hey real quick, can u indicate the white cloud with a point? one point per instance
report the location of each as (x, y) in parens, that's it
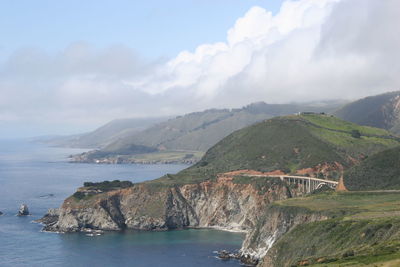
(309, 50)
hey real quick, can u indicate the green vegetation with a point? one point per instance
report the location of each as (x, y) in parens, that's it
(364, 229)
(338, 242)
(93, 188)
(349, 204)
(286, 143)
(379, 171)
(355, 134)
(108, 185)
(332, 122)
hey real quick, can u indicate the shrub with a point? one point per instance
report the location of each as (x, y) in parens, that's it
(108, 185)
(355, 134)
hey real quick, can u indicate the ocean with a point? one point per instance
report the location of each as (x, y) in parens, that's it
(42, 178)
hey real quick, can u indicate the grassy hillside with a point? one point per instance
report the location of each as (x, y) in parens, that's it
(288, 143)
(380, 171)
(381, 111)
(364, 229)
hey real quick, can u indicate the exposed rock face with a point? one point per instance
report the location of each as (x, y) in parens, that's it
(221, 204)
(50, 218)
(274, 224)
(23, 210)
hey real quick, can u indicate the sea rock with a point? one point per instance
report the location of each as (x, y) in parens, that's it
(23, 210)
(1, 213)
(227, 255)
(249, 260)
(224, 255)
(50, 218)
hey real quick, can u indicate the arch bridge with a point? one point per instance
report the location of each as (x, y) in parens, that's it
(309, 183)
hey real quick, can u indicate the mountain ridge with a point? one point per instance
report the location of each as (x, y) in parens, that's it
(382, 111)
(197, 131)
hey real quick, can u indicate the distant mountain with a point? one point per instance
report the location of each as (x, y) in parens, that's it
(105, 134)
(381, 111)
(199, 131)
(378, 172)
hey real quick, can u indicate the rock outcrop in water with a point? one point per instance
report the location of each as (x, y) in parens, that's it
(50, 218)
(23, 210)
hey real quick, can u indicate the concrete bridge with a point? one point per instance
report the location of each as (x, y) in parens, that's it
(309, 184)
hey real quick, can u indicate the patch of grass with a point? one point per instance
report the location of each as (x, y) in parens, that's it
(385, 254)
(347, 203)
(332, 122)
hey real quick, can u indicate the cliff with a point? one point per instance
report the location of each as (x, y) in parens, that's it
(224, 204)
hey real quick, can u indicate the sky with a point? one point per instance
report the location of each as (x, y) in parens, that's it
(71, 66)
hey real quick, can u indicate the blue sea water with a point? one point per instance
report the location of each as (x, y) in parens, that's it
(42, 178)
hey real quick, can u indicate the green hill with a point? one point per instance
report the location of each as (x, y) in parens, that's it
(382, 111)
(378, 172)
(289, 144)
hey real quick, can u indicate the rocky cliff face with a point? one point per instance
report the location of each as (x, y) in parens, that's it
(220, 204)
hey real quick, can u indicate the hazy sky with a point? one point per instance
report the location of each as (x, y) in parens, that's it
(69, 66)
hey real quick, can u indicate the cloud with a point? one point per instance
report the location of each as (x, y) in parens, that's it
(310, 50)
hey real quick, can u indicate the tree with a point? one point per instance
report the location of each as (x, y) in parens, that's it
(356, 134)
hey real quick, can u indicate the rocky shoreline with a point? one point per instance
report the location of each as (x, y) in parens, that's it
(222, 205)
(245, 259)
(120, 159)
